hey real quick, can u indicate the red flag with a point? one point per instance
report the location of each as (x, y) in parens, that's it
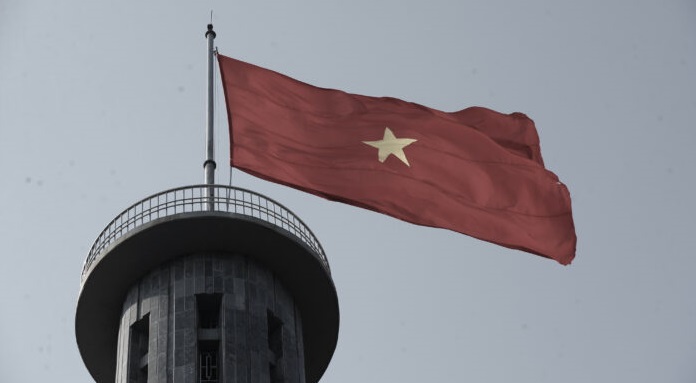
(475, 171)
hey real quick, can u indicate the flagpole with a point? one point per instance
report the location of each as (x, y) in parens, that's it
(209, 164)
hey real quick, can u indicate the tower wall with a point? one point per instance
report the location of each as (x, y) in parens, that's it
(165, 323)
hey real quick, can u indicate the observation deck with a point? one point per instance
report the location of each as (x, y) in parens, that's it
(199, 219)
(197, 198)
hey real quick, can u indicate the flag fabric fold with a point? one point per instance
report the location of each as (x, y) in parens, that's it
(475, 171)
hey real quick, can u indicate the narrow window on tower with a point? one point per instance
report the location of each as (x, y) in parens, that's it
(275, 348)
(138, 350)
(208, 355)
(208, 337)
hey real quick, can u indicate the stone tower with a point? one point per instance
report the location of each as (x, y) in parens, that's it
(206, 283)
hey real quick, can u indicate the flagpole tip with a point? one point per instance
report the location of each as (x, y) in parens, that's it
(210, 31)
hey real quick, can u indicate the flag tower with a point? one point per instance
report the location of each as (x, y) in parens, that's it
(207, 283)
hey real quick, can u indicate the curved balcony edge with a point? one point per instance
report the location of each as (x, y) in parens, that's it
(202, 198)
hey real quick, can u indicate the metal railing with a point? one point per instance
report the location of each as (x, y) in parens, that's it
(199, 198)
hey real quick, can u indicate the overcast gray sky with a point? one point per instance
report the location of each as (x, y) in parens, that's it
(102, 104)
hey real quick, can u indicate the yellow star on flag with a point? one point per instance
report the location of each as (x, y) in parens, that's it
(389, 144)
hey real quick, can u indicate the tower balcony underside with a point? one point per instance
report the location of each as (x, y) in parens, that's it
(195, 220)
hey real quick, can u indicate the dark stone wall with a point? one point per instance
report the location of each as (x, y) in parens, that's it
(167, 299)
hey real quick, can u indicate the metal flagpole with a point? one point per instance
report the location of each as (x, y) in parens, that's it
(209, 164)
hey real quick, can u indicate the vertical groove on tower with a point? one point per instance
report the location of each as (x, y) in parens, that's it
(247, 320)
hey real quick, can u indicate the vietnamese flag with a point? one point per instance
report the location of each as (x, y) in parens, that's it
(475, 171)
